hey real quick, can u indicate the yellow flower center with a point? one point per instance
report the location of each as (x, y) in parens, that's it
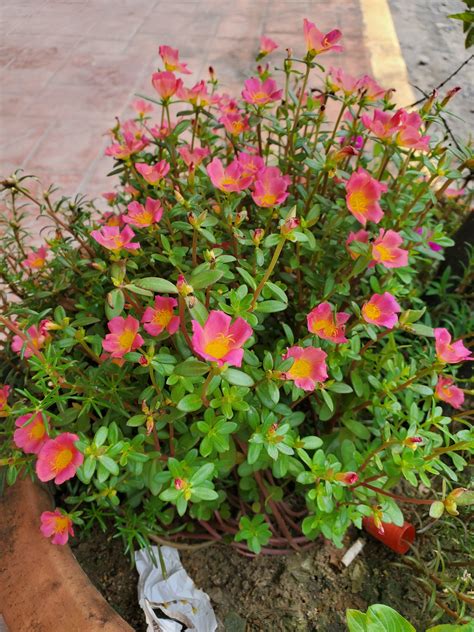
(260, 96)
(237, 127)
(269, 199)
(328, 327)
(37, 262)
(301, 368)
(162, 317)
(358, 201)
(227, 180)
(60, 524)
(37, 430)
(62, 459)
(372, 311)
(144, 218)
(219, 347)
(117, 240)
(126, 339)
(384, 253)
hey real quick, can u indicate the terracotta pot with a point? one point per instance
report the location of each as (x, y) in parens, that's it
(42, 587)
(396, 538)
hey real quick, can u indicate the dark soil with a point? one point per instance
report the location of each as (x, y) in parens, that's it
(306, 592)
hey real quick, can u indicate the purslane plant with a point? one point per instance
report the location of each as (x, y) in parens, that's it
(239, 349)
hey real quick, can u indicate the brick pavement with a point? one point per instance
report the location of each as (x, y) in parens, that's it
(68, 67)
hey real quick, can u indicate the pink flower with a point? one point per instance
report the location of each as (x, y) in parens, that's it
(252, 165)
(308, 368)
(432, 244)
(193, 157)
(260, 92)
(447, 392)
(36, 259)
(59, 459)
(170, 57)
(166, 84)
(142, 107)
(161, 317)
(317, 42)
(142, 216)
(234, 123)
(30, 434)
(111, 197)
(340, 80)
(383, 124)
(197, 95)
(324, 323)
(452, 192)
(161, 131)
(225, 103)
(270, 187)
(111, 238)
(362, 236)
(372, 90)
(386, 251)
(57, 526)
(381, 310)
(348, 478)
(4, 392)
(448, 352)
(153, 173)
(228, 178)
(363, 195)
(219, 340)
(267, 46)
(36, 338)
(411, 137)
(123, 337)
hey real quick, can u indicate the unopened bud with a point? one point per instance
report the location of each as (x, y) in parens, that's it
(348, 478)
(183, 287)
(289, 225)
(257, 236)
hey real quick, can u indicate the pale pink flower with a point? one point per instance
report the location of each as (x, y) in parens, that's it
(153, 173)
(340, 80)
(372, 90)
(143, 216)
(170, 57)
(234, 123)
(267, 45)
(36, 259)
(197, 95)
(323, 322)
(193, 157)
(59, 459)
(363, 195)
(36, 338)
(111, 238)
(386, 250)
(447, 392)
(449, 352)
(166, 84)
(382, 310)
(270, 188)
(259, 92)
(308, 368)
(142, 107)
(57, 526)
(228, 178)
(411, 138)
(220, 340)
(123, 336)
(225, 103)
(161, 317)
(30, 434)
(318, 42)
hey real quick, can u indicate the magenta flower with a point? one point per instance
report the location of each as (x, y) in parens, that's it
(270, 188)
(386, 251)
(228, 178)
(36, 338)
(432, 244)
(324, 323)
(59, 459)
(267, 45)
(383, 124)
(143, 216)
(259, 92)
(317, 42)
(411, 138)
(447, 392)
(161, 317)
(363, 195)
(220, 340)
(382, 310)
(36, 259)
(153, 173)
(30, 434)
(308, 368)
(252, 165)
(234, 123)
(57, 526)
(166, 84)
(4, 392)
(111, 238)
(193, 157)
(450, 353)
(170, 57)
(123, 337)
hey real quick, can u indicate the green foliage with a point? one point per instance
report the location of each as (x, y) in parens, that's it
(381, 618)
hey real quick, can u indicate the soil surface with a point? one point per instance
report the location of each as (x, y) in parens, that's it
(433, 47)
(307, 592)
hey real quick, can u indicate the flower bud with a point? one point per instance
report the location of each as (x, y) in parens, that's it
(257, 236)
(178, 483)
(412, 442)
(183, 287)
(348, 478)
(289, 225)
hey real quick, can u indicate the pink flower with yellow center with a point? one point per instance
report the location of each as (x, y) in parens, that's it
(170, 57)
(411, 138)
(270, 188)
(318, 42)
(193, 157)
(371, 89)
(259, 92)
(447, 392)
(197, 95)
(143, 216)
(111, 238)
(161, 317)
(267, 46)
(166, 84)
(340, 80)
(234, 123)
(123, 337)
(252, 165)
(449, 352)
(153, 173)
(36, 259)
(142, 107)
(30, 434)
(4, 392)
(361, 236)
(362, 196)
(220, 340)
(382, 310)
(36, 337)
(57, 526)
(59, 459)
(228, 178)
(308, 368)
(386, 251)
(323, 322)
(383, 124)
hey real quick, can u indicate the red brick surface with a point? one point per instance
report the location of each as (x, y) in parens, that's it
(68, 67)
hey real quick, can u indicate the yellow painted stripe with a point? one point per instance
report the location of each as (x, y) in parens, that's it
(388, 65)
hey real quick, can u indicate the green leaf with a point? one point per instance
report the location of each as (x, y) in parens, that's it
(327, 400)
(268, 307)
(190, 403)
(101, 436)
(204, 493)
(381, 618)
(204, 473)
(248, 278)
(238, 378)
(191, 368)
(205, 278)
(421, 330)
(356, 620)
(115, 303)
(109, 464)
(136, 420)
(340, 387)
(138, 290)
(156, 284)
(357, 428)
(437, 509)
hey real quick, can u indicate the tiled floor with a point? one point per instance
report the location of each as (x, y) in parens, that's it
(68, 67)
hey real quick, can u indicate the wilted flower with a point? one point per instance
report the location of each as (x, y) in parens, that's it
(4, 392)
